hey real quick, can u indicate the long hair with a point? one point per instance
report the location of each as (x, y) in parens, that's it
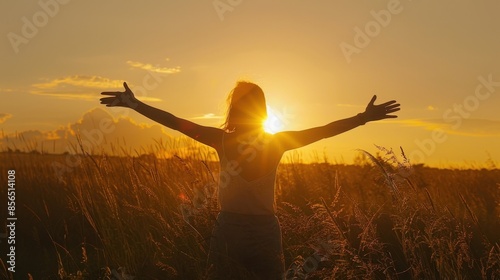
(246, 104)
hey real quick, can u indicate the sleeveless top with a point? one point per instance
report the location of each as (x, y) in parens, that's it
(238, 195)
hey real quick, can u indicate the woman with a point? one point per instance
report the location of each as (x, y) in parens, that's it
(247, 232)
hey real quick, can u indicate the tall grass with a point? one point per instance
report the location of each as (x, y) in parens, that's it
(151, 217)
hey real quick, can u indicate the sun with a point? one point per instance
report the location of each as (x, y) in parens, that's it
(274, 122)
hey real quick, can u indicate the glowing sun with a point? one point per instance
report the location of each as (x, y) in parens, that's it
(274, 122)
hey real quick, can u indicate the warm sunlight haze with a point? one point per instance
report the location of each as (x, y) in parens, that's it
(257, 139)
(316, 62)
(274, 122)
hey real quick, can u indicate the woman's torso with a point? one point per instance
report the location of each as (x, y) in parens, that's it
(248, 165)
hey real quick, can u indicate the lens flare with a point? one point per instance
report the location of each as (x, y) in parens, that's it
(274, 122)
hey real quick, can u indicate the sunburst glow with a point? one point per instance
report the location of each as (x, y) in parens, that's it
(274, 122)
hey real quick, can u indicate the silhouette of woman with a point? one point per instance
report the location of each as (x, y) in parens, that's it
(247, 232)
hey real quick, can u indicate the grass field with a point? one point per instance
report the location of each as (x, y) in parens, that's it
(102, 217)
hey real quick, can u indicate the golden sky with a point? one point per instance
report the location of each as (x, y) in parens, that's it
(317, 61)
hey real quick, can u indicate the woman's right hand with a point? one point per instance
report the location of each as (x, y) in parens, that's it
(121, 99)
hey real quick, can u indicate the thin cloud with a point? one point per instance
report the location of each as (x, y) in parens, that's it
(149, 99)
(466, 127)
(81, 87)
(65, 95)
(209, 116)
(156, 69)
(6, 90)
(348, 105)
(88, 96)
(480, 128)
(81, 81)
(427, 124)
(4, 117)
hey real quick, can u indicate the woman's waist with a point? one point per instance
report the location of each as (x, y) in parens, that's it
(247, 203)
(252, 217)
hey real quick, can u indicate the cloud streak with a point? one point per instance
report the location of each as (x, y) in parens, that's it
(468, 127)
(156, 69)
(81, 87)
(6, 90)
(95, 82)
(209, 116)
(4, 117)
(349, 105)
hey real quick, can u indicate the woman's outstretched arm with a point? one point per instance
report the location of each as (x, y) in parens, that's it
(289, 140)
(210, 136)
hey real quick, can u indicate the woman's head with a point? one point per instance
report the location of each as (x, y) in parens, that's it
(246, 106)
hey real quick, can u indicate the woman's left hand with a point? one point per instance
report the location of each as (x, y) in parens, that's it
(378, 112)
